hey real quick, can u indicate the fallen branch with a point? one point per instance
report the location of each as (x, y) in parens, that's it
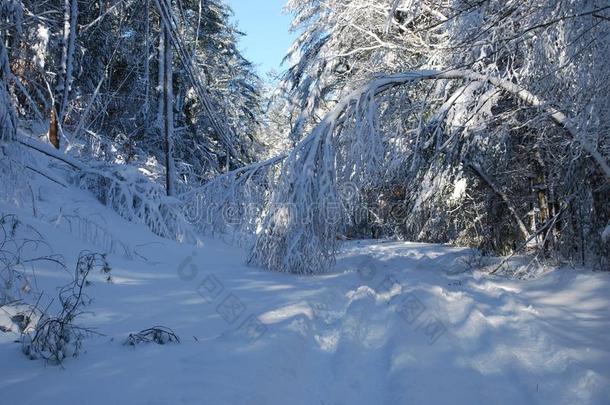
(157, 334)
(44, 175)
(42, 148)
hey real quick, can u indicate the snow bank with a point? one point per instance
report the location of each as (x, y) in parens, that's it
(392, 323)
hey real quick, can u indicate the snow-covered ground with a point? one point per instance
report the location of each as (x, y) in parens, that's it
(394, 323)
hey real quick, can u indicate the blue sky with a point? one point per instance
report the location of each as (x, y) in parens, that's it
(268, 38)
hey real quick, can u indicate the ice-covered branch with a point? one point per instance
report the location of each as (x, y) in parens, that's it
(300, 212)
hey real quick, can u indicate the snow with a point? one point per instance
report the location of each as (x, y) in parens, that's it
(40, 48)
(12, 317)
(459, 190)
(392, 323)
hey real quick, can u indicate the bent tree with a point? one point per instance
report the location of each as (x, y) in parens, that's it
(295, 227)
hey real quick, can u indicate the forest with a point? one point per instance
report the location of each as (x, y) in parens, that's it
(419, 199)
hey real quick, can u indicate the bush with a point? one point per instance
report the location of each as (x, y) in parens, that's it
(56, 338)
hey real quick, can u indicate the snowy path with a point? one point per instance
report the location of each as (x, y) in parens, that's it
(395, 323)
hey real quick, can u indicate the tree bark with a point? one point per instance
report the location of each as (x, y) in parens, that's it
(64, 78)
(541, 189)
(147, 69)
(54, 129)
(168, 113)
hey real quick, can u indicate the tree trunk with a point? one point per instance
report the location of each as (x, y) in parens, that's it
(491, 184)
(168, 113)
(541, 190)
(64, 78)
(147, 69)
(161, 80)
(54, 129)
